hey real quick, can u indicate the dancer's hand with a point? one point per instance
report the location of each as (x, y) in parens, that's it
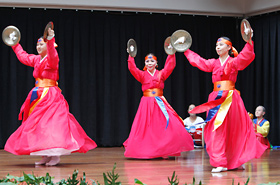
(50, 34)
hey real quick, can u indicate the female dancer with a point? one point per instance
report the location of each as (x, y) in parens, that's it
(157, 130)
(229, 135)
(47, 129)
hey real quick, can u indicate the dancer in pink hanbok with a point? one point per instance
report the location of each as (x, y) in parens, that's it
(48, 129)
(229, 135)
(157, 130)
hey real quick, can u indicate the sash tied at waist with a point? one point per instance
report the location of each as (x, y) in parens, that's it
(153, 92)
(224, 85)
(45, 82)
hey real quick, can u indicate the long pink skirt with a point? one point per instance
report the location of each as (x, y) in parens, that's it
(150, 137)
(234, 142)
(49, 129)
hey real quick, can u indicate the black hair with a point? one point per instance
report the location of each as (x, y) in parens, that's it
(150, 54)
(230, 51)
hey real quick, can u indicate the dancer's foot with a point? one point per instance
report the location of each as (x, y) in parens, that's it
(44, 160)
(218, 169)
(54, 161)
(242, 167)
(217, 174)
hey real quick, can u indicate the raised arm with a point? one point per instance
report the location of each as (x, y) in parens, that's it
(199, 62)
(169, 66)
(137, 73)
(52, 56)
(23, 56)
(245, 57)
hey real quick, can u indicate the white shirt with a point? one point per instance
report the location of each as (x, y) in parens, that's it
(192, 126)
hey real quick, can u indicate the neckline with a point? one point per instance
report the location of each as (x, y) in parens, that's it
(43, 59)
(151, 73)
(194, 120)
(225, 60)
(258, 122)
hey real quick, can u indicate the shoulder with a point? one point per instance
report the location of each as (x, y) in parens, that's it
(200, 118)
(215, 61)
(35, 58)
(265, 121)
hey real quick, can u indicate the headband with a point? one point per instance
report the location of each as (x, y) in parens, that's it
(40, 40)
(225, 41)
(150, 57)
(234, 51)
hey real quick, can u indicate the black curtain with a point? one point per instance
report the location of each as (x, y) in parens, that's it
(263, 74)
(102, 94)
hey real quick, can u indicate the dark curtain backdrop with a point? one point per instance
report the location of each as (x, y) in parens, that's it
(94, 78)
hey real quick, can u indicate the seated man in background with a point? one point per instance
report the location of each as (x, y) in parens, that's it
(261, 126)
(194, 125)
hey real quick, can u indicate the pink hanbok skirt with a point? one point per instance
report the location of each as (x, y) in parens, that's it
(234, 142)
(48, 128)
(151, 136)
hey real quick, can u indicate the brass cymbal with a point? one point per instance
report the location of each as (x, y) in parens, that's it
(132, 47)
(181, 40)
(246, 30)
(49, 25)
(168, 48)
(11, 35)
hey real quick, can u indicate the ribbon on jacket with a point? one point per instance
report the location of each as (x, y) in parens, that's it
(156, 92)
(211, 104)
(214, 110)
(45, 91)
(223, 110)
(163, 109)
(34, 95)
(219, 106)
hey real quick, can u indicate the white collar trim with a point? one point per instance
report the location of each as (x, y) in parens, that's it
(224, 61)
(43, 59)
(152, 74)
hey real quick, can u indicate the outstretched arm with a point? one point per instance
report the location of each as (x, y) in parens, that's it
(23, 56)
(199, 62)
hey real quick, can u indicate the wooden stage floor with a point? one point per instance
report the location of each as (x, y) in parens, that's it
(151, 172)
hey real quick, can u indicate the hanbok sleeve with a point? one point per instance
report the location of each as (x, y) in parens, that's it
(245, 57)
(23, 56)
(137, 73)
(52, 56)
(264, 129)
(199, 62)
(169, 66)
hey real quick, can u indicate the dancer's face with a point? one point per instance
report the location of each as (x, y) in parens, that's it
(222, 48)
(41, 48)
(150, 64)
